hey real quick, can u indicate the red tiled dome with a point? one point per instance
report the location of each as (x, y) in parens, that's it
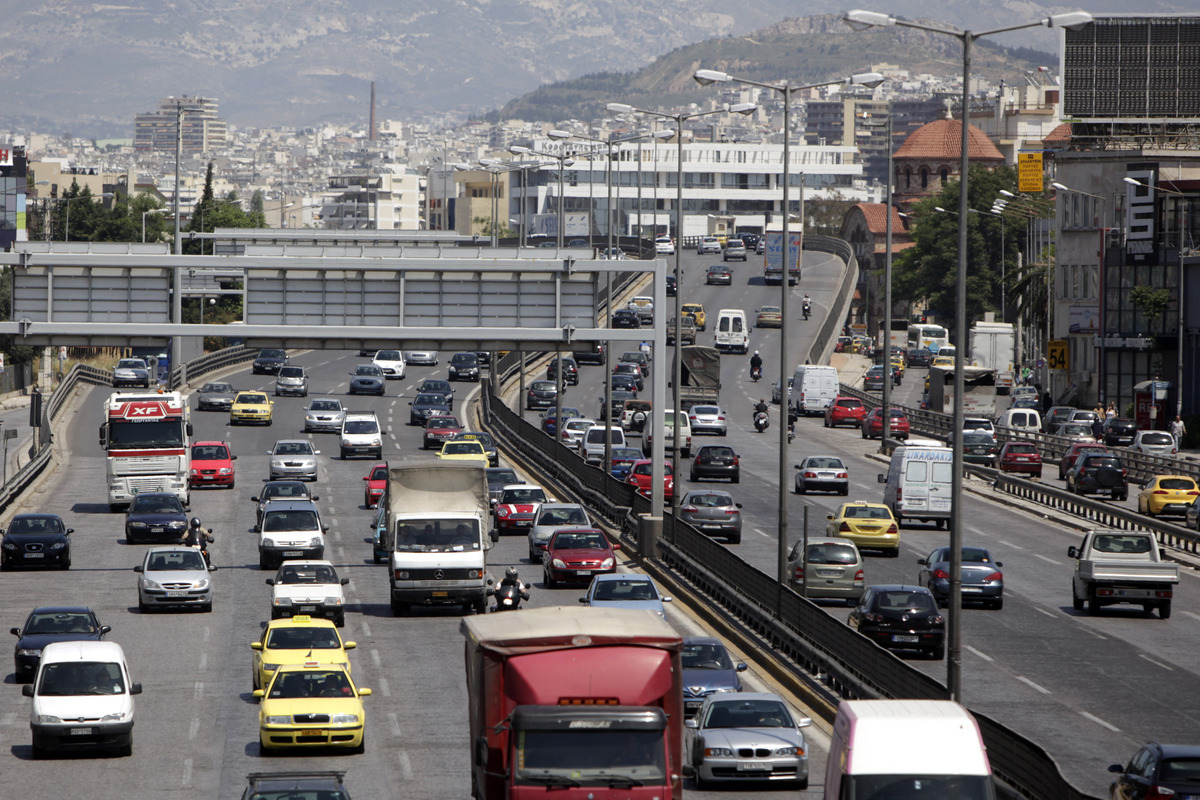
(941, 140)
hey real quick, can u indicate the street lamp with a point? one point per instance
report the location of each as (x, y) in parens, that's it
(656, 455)
(564, 160)
(861, 20)
(1102, 266)
(871, 79)
(1179, 324)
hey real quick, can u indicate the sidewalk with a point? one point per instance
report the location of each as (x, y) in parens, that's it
(851, 367)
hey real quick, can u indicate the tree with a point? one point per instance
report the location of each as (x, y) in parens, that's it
(825, 214)
(1151, 303)
(484, 224)
(211, 213)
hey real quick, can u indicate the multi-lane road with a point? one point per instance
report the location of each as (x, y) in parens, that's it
(1089, 689)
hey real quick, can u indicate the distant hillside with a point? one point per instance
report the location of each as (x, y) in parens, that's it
(808, 49)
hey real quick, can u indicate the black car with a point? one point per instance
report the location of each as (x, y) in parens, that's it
(484, 357)
(570, 371)
(919, 357)
(716, 461)
(155, 515)
(36, 540)
(464, 367)
(624, 382)
(979, 448)
(48, 624)
(498, 478)
(672, 287)
(633, 370)
(750, 240)
(593, 355)
(1100, 474)
(438, 386)
(269, 362)
(707, 669)
(718, 274)
(425, 405)
(619, 398)
(279, 785)
(1119, 431)
(280, 490)
(1158, 770)
(366, 379)
(541, 394)
(900, 617)
(626, 318)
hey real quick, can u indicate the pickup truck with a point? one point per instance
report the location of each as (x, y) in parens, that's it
(1117, 566)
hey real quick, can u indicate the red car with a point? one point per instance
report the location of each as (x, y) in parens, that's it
(1020, 457)
(515, 507)
(376, 482)
(639, 476)
(845, 410)
(439, 430)
(872, 424)
(212, 465)
(574, 555)
(1068, 459)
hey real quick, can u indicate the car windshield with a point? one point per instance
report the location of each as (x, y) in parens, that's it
(306, 573)
(1023, 449)
(325, 405)
(748, 714)
(442, 387)
(705, 656)
(288, 489)
(579, 540)
(625, 590)
(904, 601)
(293, 449)
(442, 422)
(368, 370)
(161, 504)
(59, 622)
(437, 536)
(1157, 438)
(295, 520)
(462, 448)
(310, 683)
(291, 372)
(361, 426)
(1098, 462)
(562, 516)
(252, 399)
(209, 452)
(272, 354)
(303, 638)
(533, 494)
(824, 462)
(865, 512)
(1184, 484)
(387, 355)
(75, 678)
(131, 363)
(711, 500)
(36, 525)
(500, 477)
(175, 560)
(1116, 543)
(464, 358)
(215, 388)
(379, 474)
(429, 400)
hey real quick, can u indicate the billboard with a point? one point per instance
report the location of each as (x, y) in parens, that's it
(1133, 68)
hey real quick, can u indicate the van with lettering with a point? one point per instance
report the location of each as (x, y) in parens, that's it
(917, 484)
(733, 333)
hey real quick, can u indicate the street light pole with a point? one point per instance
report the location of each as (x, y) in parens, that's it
(860, 20)
(705, 77)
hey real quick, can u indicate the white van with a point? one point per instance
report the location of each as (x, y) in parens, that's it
(864, 760)
(685, 433)
(814, 388)
(733, 332)
(918, 484)
(82, 699)
(1021, 419)
(591, 443)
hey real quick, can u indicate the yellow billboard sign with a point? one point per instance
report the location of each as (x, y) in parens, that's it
(1056, 354)
(1029, 172)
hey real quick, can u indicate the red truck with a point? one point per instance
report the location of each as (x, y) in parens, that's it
(574, 703)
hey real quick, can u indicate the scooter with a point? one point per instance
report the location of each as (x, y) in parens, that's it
(756, 374)
(761, 421)
(508, 596)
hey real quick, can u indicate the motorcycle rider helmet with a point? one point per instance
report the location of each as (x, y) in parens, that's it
(755, 352)
(195, 522)
(510, 573)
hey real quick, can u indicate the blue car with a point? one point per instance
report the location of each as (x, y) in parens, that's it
(367, 379)
(625, 590)
(707, 669)
(622, 461)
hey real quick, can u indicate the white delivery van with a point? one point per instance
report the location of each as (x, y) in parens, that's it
(918, 484)
(82, 699)
(685, 434)
(591, 444)
(1021, 419)
(814, 388)
(864, 760)
(732, 333)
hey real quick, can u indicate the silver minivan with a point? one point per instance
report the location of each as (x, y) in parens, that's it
(834, 569)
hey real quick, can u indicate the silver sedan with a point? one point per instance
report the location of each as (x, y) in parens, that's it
(822, 473)
(714, 513)
(218, 396)
(324, 415)
(174, 577)
(748, 737)
(293, 458)
(708, 419)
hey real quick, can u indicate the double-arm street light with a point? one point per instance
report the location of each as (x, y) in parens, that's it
(871, 79)
(679, 119)
(1101, 276)
(861, 20)
(563, 160)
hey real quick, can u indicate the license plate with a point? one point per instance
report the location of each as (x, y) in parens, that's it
(754, 766)
(82, 731)
(292, 553)
(1132, 592)
(584, 573)
(1022, 458)
(312, 733)
(207, 477)
(439, 594)
(35, 555)
(905, 638)
(307, 609)
(176, 594)
(971, 590)
(524, 523)
(829, 573)
(157, 530)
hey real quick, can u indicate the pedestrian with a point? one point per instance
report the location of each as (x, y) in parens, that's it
(1111, 411)
(1178, 429)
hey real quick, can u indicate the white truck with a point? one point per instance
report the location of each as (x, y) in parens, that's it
(773, 256)
(993, 348)
(1119, 566)
(146, 438)
(437, 536)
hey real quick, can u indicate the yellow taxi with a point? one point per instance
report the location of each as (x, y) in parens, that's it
(898, 364)
(293, 641)
(464, 450)
(251, 407)
(870, 526)
(944, 362)
(1167, 494)
(696, 312)
(311, 704)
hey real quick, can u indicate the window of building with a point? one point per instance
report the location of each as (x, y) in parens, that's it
(924, 178)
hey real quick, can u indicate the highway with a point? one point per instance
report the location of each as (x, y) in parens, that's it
(1089, 689)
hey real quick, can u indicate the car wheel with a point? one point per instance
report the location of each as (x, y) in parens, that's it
(399, 609)
(1164, 609)
(802, 784)
(206, 608)
(1076, 601)
(845, 491)
(735, 538)
(377, 559)
(263, 563)
(550, 582)
(361, 747)
(996, 604)
(65, 565)
(800, 488)
(340, 619)
(142, 607)
(1093, 603)
(938, 653)
(130, 538)
(864, 433)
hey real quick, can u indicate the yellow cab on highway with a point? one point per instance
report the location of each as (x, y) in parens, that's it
(295, 640)
(464, 450)
(311, 704)
(1167, 494)
(870, 526)
(898, 363)
(696, 312)
(944, 362)
(251, 407)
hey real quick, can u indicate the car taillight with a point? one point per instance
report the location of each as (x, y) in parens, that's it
(843, 475)
(844, 527)
(810, 474)
(941, 574)
(735, 461)
(995, 576)
(799, 574)
(721, 418)
(1193, 493)
(731, 511)
(1159, 793)
(893, 529)
(899, 494)
(689, 509)
(1160, 491)
(859, 577)
(871, 616)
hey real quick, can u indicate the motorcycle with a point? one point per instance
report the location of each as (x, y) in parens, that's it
(791, 432)
(761, 421)
(508, 596)
(807, 309)
(756, 374)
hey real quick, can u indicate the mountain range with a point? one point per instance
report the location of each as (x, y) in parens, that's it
(88, 67)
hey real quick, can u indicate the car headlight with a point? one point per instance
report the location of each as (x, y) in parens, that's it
(315, 542)
(138, 525)
(202, 584)
(46, 719)
(9, 546)
(343, 719)
(558, 563)
(281, 601)
(788, 751)
(58, 545)
(376, 442)
(606, 563)
(723, 689)
(150, 585)
(280, 719)
(225, 471)
(119, 716)
(276, 462)
(718, 751)
(267, 543)
(30, 653)
(195, 471)
(333, 601)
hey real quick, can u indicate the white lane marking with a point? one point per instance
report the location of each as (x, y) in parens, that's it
(406, 772)
(204, 656)
(1050, 614)
(978, 532)
(394, 724)
(384, 689)
(194, 728)
(208, 632)
(1033, 685)
(366, 626)
(1047, 559)
(760, 533)
(1100, 722)
(982, 655)
(341, 553)
(1007, 543)
(1156, 663)
(1192, 614)
(198, 690)
(375, 661)
(187, 772)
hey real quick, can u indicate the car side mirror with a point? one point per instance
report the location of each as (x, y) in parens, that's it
(803, 722)
(1072, 552)
(345, 581)
(27, 690)
(829, 516)
(316, 452)
(880, 478)
(923, 563)
(15, 631)
(366, 477)
(257, 529)
(258, 694)
(349, 645)
(138, 568)
(233, 458)
(999, 563)
(742, 666)
(256, 646)
(691, 722)
(135, 688)
(253, 499)
(666, 599)
(583, 600)
(616, 546)
(1162, 554)
(70, 531)
(270, 581)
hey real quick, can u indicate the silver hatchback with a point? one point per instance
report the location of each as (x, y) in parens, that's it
(834, 569)
(293, 458)
(174, 577)
(708, 419)
(547, 519)
(291, 381)
(713, 512)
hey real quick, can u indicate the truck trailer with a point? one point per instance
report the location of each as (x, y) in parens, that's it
(574, 703)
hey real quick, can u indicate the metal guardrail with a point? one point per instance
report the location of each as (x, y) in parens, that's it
(209, 362)
(822, 346)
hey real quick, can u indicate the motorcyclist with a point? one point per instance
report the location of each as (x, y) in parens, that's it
(511, 579)
(199, 537)
(807, 305)
(756, 363)
(792, 416)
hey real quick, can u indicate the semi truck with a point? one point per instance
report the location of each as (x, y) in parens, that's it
(572, 703)
(700, 374)
(993, 345)
(437, 536)
(145, 437)
(773, 256)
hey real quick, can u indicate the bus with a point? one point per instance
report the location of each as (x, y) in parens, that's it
(930, 337)
(899, 334)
